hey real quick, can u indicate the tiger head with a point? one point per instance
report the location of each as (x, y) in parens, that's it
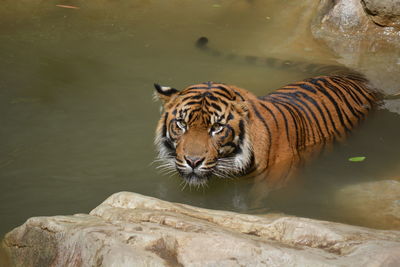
(203, 131)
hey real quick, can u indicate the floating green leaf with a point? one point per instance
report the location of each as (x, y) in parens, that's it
(357, 159)
(216, 5)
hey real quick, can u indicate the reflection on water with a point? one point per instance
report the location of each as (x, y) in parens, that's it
(78, 118)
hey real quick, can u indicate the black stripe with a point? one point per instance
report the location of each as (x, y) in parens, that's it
(315, 104)
(216, 107)
(322, 114)
(332, 121)
(294, 96)
(301, 85)
(195, 97)
(242, 131)
(191, 116)
(331, 99)
(168, 145)
(306, 110)
(227, 131)
(223, 102)
(353, 110)
(284, 119)
(241, 97)
(164, 128)
(288, 108)
(229, 97)
(210, 96)
(223, 89)
(271, 113)
(171, 130)
(198, 88)
(342, 97)
(229, 117)
(349, 89)
(236, 148)
(231, 144)
(195, 110)
(266, 127)
(193, 103)
(362, 91)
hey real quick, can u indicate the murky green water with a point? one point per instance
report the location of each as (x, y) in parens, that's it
(77, 116)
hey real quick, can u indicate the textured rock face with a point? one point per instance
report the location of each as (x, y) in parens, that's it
(347, 14)
(384, 12)
(347, 27)
(365, 36)
(132, 230)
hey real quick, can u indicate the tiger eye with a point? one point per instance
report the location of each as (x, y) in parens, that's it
(181, 124)
(217, 127)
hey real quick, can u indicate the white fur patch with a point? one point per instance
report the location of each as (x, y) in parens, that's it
(165, 88)
(242, 160)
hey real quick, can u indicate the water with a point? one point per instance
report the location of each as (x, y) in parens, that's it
(77, 115)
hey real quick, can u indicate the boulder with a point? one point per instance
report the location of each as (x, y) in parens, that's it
(129, 229)
(347, 28)
(365, 36)
(383, 12)
(376, 204)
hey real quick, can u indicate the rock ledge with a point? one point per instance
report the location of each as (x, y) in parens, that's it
(129, 229)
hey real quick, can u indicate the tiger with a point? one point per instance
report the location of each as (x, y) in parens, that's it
(214, 129)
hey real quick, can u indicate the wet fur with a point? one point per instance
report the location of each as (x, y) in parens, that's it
(262, 136)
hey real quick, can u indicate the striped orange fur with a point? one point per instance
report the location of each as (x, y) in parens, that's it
(217, 129)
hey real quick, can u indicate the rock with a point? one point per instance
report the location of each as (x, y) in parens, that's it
(350, 29)
(376, 204)
(346, 16)
(384, 12)
(358, 14)
(133, 230)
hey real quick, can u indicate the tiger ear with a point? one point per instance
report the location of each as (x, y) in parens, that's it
(164, 92)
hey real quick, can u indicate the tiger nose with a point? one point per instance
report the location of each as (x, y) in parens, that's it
(194, 161)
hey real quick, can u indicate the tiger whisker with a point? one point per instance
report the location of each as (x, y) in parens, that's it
(185, 183)
(166, 165)
(168, 172)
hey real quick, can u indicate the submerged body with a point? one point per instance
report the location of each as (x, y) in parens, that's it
(216, 129)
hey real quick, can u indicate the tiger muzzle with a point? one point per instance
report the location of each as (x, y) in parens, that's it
(194, 162)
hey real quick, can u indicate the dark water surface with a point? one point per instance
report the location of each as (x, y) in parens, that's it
(77, 115)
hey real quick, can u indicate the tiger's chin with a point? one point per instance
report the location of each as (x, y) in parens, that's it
(195, 178)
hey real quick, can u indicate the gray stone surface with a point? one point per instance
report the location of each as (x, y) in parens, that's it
(133, 230)
(349, 28)
(384, 12)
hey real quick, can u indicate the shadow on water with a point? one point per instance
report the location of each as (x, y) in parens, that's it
(78, 118)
